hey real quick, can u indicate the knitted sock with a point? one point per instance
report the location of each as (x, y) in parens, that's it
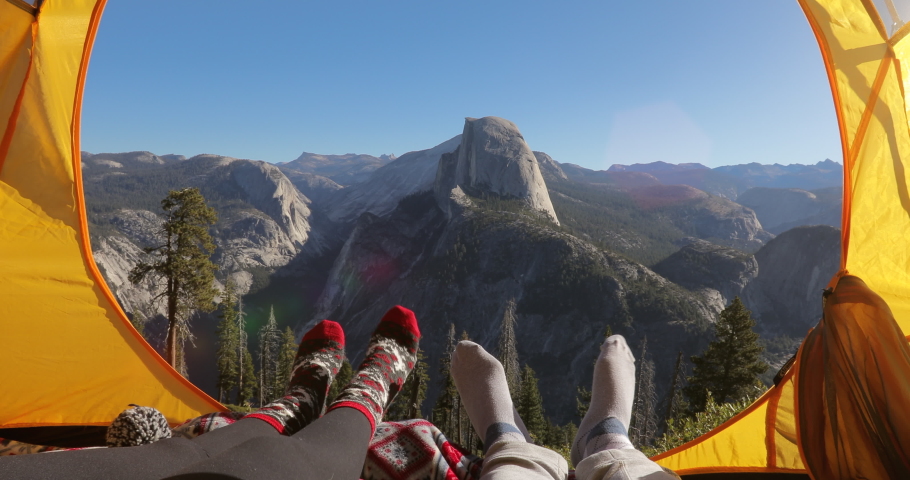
(318, 359)
(606, 424)
(389, 359)
(481, 383)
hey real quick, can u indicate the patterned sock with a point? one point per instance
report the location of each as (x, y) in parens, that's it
(318, 360)
(390, 357)
(606, 424)
(481, 383)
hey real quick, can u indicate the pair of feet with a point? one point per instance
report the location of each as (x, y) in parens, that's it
(481, 383)
(389, 359)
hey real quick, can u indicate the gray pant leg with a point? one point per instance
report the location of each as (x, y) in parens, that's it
(523, 461)
(621, 464)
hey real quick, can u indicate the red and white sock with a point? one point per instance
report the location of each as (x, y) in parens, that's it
(318, 359)
(390, 358)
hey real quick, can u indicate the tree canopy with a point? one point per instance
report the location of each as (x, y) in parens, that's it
(730, 367)
(182, 263)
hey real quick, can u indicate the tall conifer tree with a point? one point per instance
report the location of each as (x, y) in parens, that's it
(341, 380)
(508, 350)
(286, 355)
(676, 404)
(182, 264)
(269, 344)
(246, 375)
(730, 367)
(530, 405)
(249, 384)
(643, 428)
(228, 354)
(447, 402)
(409, 402)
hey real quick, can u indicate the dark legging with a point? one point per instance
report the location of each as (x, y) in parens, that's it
(333, 446)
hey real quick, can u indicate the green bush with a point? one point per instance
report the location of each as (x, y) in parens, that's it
(685, 429)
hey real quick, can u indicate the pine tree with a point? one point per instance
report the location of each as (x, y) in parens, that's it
(730, 367)
(508, 351)
(249, 384)
(182, 264)
(228, 354)
(286, 355)
(269, 344)
(676, 404)
(530, 405)
(345, 372)
(246, 374)
(465, 436)
(409, 402)
(643, 428)
(447, 402)
(582, 402)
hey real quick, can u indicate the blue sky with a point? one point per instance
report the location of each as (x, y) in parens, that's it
(589, 82)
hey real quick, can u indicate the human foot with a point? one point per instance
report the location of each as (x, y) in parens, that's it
(390, 358)
(481, 383)
(318, 359)
(606, 424)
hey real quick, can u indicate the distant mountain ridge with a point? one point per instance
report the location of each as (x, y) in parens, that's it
(344, 169)
(727, 181)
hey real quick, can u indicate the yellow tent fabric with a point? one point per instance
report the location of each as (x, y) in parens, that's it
(70, 355)
(854, 383)
(866, 50)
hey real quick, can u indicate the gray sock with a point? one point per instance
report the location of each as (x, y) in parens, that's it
(481, 383)
(612, 394)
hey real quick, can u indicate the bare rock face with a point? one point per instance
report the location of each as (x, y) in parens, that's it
(265, 226)
(116, 256)
(269, 191)
(800, 260)
(410, 173)
(346, 169)
(549, 167)
(723, 221)
(315, 187)
(493, 158)
(704, 265)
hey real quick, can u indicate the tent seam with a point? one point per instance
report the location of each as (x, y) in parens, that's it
(83, 220)
(13, 120)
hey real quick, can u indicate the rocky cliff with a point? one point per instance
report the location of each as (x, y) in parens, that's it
(379, 195)
(717, 272)
(493, 158)
(794, 268)
(264, 221)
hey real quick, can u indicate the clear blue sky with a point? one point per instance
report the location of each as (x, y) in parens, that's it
(589, 82)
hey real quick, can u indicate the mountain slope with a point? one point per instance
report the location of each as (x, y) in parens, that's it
(379, 195)
(465, 269)
(346, 169)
